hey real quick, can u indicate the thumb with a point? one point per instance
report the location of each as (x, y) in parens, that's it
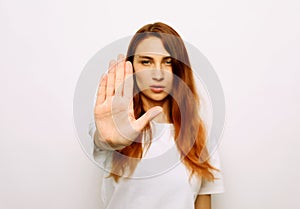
(148, 116)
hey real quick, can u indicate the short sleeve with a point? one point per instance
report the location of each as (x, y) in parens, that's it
(216, 186)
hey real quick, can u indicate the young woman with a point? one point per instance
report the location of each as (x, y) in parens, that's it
(148, 133)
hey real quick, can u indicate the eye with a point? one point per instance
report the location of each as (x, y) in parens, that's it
(146, 62)
(168, 62)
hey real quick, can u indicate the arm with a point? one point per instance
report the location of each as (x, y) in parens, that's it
(203, 202)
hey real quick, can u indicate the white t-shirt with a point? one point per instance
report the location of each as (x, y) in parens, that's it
(160, 179)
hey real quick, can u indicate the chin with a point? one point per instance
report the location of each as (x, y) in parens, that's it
(162, 97)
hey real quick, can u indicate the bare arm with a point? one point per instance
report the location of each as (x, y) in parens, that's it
(203, 202)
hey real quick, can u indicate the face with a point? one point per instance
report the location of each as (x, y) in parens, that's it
(153, 67)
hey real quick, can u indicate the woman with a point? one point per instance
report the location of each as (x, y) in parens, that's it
(148, 132)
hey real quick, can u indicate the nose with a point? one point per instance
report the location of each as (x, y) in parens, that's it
(158, 74)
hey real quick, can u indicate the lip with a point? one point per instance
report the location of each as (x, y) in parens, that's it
(157, 88)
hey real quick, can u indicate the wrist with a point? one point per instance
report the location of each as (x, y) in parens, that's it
(102, 144)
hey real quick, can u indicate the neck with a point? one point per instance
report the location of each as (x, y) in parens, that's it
(163, 117)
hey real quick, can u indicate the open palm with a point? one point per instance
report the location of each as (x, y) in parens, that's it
(114, 115)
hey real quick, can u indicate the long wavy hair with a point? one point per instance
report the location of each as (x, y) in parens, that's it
(190, 131)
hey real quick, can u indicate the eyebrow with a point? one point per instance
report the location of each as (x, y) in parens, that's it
(147, 57)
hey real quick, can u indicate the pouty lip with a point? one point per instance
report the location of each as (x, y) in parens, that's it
(157, 86)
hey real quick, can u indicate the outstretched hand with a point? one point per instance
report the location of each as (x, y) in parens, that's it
(116, 124)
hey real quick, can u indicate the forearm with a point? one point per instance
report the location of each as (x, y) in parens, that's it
(203, 202)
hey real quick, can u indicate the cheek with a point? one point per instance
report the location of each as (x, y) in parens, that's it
(140, 81)
(137, 74)
(171, 82)
(143, 75)
(169, 78)
(141, 78)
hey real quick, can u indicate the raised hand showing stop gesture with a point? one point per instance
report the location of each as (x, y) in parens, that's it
(116, 124)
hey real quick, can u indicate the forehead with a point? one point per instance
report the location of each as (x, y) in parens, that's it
(151, 45)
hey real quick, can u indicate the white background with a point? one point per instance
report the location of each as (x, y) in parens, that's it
(253, 45)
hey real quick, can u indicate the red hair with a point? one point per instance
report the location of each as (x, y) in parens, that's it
(190, 132)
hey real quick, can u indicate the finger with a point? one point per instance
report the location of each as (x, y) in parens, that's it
(147, 117)
(120, 75)
(110, 86)
(101, 95)
(128, 82)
